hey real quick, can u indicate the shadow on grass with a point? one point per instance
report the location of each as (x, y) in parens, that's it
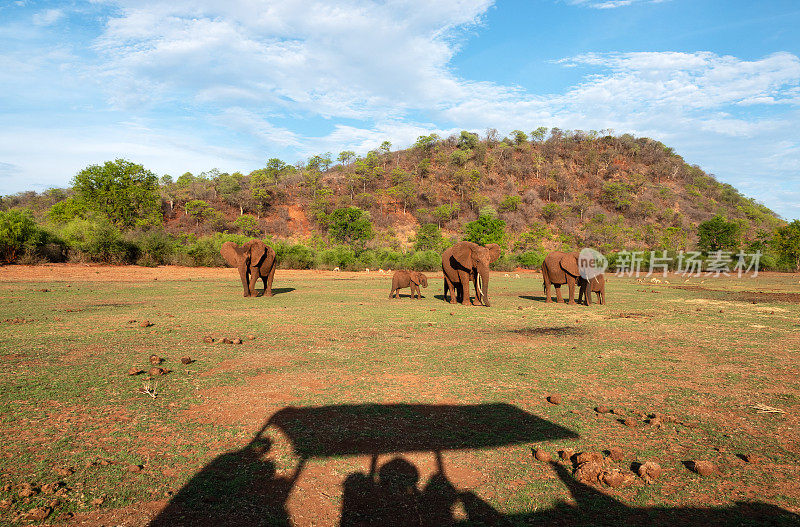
(242, 488)
(556, 331)
(278, 291)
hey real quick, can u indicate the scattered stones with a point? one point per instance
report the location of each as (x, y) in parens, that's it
(616, 454)
(588, 457)
(186, 360)
(134, 468)
(566, 454)
(26, 490)
(155, 360)
(208, 340)
(602, 409)
(145, 324)
(751, 458)
(614, 478)
(38, 514)
(542, 455)
(649, 471)
(51, 488)
(554, 398)
(703, 468)
(135, 371)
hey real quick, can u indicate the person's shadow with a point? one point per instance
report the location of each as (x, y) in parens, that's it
(237, 488)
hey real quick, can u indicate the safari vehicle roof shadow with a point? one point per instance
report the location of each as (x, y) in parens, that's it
(383, 428)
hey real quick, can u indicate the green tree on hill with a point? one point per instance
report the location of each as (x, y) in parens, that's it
(787, 244)
(350, 225)
(486, 229)
(123, 192)
(718, 234)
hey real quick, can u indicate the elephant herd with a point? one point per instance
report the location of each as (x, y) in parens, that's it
(462, 263)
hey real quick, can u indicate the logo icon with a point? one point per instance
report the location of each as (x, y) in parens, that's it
(591, 263)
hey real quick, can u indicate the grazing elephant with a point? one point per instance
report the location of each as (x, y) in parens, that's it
(254, 260)
(592, 285)
(559, 269)
(467, 261)
(412, 279)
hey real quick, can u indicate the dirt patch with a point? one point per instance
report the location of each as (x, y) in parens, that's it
(742, 296)
(558, 331)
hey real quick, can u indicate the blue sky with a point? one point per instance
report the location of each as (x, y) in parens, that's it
(204, 84)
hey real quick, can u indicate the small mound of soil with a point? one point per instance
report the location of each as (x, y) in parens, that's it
(26, 490)
(145, 324)
(588, 472)
(704, 468)
(208, 340)
(51, 488)
(226, 340)
(134, 468)
(649, 471)
(542, 455)
(237, 341)
(656, 422)
(566, 454)
(602, 409)
(251, 337)
(157, 371)
(135, 371)
(631, 423)
(64, 472)
(554, 398)
(588, 457)
(614, 478)
(38, 514)
(155, 360)
(186, 360)
(616, 454)
(751, 458)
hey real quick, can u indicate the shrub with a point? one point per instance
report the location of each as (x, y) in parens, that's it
(248, 225)
(18, 231)
(428, 238)
(293, 256)
(425, 261)
(531, 259)
(155, 248)
(486, 229)
(350, 225)
(342, 257)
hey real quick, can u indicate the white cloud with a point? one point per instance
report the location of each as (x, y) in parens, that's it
(610, 4)
(48, 17)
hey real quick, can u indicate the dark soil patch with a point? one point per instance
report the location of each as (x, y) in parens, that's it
(555, 330)
(743, 296)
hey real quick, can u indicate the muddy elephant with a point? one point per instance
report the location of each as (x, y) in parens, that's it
(467, 261)
(559, 269)
(254, 260)
(592, 285)
(412, 279)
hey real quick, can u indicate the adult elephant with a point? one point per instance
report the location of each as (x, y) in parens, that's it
(467, 261)
(559, 269)
(254, 260)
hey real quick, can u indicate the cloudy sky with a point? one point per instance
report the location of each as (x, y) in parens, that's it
(194, 85)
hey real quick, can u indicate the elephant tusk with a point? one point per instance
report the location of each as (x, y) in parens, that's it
(479, 292)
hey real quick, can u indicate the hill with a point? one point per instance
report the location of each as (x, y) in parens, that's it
(567, 190)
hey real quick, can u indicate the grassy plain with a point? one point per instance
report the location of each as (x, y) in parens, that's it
(350, 378)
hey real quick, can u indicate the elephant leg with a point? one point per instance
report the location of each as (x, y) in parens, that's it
(571, 287)
(559, 298)
(244, 274)
(547, 299)
(463, 278)
(255, 274)
(453, 292)
(268, 284)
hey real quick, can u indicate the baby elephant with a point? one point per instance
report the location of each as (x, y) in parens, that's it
(402, 279)
(593, 285)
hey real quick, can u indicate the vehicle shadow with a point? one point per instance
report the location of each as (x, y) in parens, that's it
(241, 487)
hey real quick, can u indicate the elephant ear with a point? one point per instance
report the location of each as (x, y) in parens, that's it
(494, 252)
(569, 262)
(462, 252)
(414, 277)
(232, 253)
(256, 249)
